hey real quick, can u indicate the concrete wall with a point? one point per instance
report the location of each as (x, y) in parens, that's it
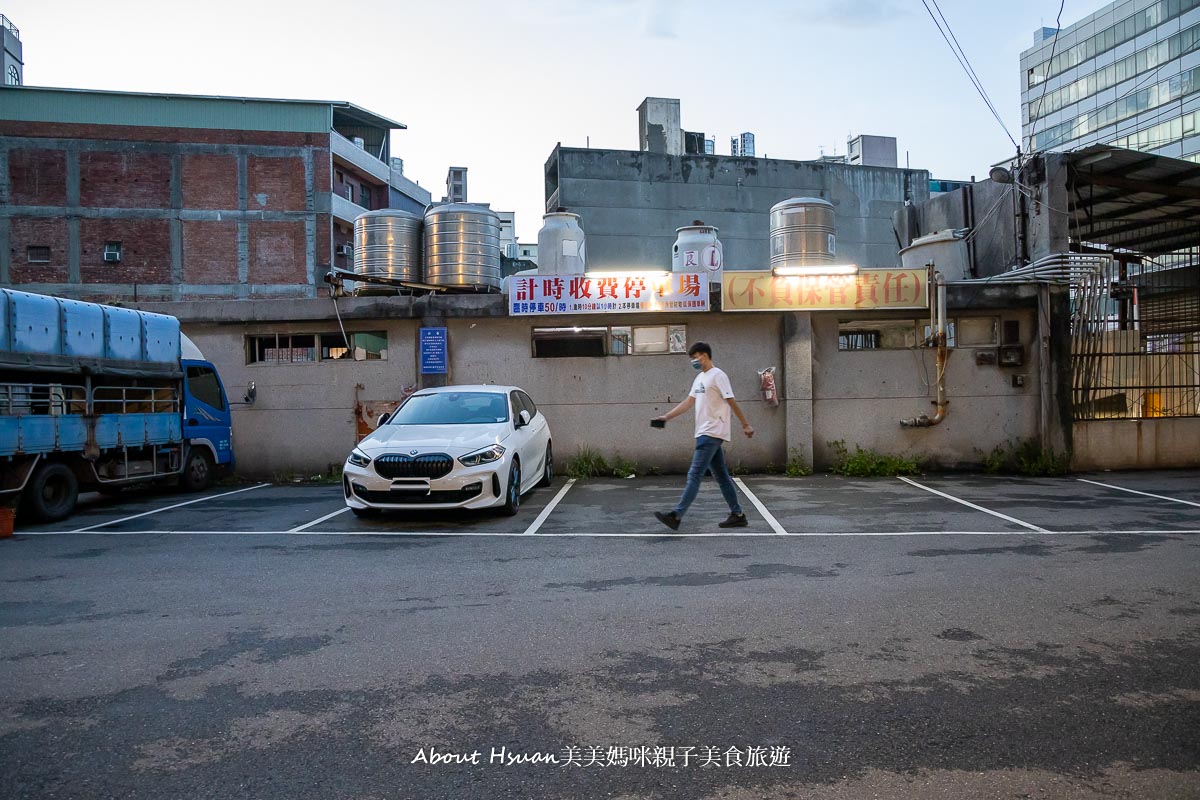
(1136, 444)
(861, 396)
(304, 419)
(630, 203)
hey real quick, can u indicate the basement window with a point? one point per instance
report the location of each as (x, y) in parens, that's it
(36, 254)
(618, 340)
(570, 342)
(886, 334)
(367, 346)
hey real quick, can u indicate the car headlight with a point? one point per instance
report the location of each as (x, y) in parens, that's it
(485, 456)
(359, 458)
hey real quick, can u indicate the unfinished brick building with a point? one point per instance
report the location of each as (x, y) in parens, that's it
(141, 197)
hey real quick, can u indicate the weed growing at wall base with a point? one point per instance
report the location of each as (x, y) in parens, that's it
(869, 464)
(587, 463)
(1025, 458)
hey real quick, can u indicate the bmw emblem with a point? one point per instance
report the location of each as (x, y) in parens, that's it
(412, 452)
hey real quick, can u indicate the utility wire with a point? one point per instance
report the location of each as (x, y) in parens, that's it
(961, 58)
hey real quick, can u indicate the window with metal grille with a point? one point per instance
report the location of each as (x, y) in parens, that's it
(37, 254)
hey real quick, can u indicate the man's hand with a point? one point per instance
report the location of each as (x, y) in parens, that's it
(748, 430)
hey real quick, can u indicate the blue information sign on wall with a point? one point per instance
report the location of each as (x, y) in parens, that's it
(433, 351)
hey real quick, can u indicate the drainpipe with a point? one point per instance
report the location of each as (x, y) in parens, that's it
(943, 354)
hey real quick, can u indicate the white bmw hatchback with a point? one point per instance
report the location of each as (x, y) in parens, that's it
(452, 447)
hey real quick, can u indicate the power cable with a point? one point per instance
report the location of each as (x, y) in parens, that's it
(970, 73)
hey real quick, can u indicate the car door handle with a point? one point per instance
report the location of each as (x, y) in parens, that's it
(193, 422)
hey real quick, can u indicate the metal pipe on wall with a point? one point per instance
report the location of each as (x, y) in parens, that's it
(943, 355)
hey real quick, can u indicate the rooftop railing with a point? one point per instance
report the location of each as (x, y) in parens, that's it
(7, 24)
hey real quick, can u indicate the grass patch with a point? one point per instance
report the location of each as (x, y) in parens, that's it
(869, 464)
(587, 463)
(796, 466)
(1027, 458)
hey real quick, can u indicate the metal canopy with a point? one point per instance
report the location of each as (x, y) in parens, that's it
(1134, 201)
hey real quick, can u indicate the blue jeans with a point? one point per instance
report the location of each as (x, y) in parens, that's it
(708, 454)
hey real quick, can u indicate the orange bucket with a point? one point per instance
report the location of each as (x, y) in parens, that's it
(6, 521)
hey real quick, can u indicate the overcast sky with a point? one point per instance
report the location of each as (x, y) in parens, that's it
(493, 86)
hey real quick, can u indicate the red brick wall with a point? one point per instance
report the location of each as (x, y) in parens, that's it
(124, 180)
(145, 251)
(210, 252)
(130, 133)
(275, 184)
(52, 233)
(277, 252)
(209, 181)
(38, 177)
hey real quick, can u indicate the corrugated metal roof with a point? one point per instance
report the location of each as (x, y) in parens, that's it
(92, 107)
(1133, 200)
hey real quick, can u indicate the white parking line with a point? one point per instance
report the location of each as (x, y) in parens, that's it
(537, 523)
(742, 535)
(977, 508)
(306, 526)
(167, 508)
(1135, 491)
(767, 515)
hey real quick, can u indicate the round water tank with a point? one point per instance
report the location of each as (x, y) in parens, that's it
(561, 249)
(802, 232)
(945, 249)
(462, 246)
(387, 244)
(697, 249)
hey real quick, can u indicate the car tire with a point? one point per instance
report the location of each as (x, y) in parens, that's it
(512, 494)
(548, 467)
(51, 493)
(198, 471)
(365, 513)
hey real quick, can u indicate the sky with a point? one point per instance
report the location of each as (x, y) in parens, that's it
(494, 86)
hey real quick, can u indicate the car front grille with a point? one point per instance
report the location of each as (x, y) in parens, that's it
(429, 465)
(416, 498)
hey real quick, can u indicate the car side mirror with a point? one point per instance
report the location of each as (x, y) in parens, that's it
(523, 419)
(383, 418)
(251, 393)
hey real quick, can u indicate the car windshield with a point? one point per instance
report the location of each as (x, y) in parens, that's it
(452, 408)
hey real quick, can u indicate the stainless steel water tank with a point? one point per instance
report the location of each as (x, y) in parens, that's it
(387, 244)
(462, 246)
(561, 246)
(802, 232)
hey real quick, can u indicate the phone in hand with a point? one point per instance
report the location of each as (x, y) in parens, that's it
(658, 423)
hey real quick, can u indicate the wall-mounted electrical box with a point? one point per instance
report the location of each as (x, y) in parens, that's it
(1012, 355)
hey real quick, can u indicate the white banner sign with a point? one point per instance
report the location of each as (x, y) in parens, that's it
(628, 292)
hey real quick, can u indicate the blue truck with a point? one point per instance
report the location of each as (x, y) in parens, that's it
(97, 398)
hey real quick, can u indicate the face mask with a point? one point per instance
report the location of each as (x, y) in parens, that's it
(696, 364)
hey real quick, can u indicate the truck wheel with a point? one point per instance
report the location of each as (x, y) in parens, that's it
(198, 472)
(51, 493)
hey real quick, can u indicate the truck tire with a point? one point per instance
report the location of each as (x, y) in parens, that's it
(198, 471)
(51, 493)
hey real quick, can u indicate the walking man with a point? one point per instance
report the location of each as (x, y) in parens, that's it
(712, 397)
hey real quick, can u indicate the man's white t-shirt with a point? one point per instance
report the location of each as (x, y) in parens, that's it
(711, 390)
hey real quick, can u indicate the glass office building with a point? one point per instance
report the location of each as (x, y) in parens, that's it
(1127, 75)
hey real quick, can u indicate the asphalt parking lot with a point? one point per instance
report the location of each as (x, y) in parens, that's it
(944, 636)
(819, 505)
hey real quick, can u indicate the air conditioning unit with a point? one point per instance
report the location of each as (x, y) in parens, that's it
(344, 250)
(112, 256)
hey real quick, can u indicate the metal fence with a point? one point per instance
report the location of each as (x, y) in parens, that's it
(1135, 339)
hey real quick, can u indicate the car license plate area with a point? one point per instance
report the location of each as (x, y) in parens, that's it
(410, 486)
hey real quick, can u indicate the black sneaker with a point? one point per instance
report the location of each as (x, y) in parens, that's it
(668, 518)
(734, 521)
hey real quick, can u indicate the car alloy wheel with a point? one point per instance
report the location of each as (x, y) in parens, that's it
(512, 498)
